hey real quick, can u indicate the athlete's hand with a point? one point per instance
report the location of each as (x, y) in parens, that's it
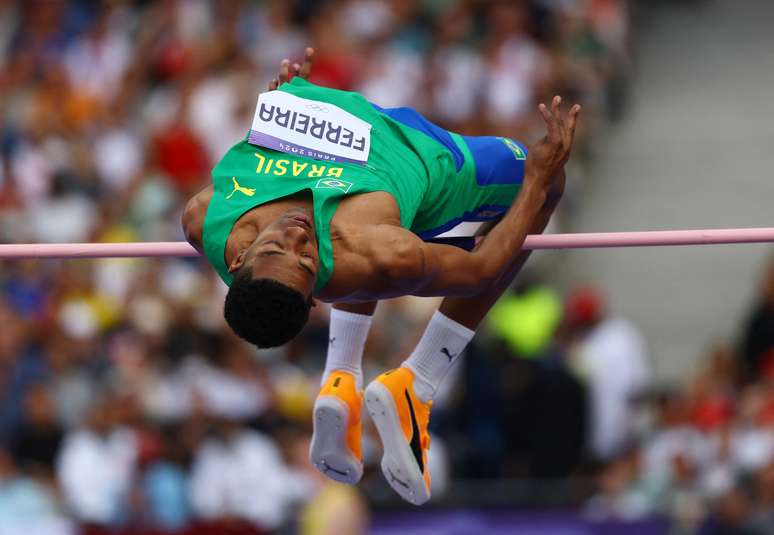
(547, 157)
(286, 70)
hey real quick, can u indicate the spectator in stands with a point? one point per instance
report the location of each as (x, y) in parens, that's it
(519, 68)
(21, 366)
(763, 515)
(163, 481)
(36, 444)
(105, 450)
(757, 348)
(26, 506)
(731, 515)
(622, 493)
(611, 355)
(240, 473)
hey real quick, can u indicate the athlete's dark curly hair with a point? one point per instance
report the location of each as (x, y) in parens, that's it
(264, 312)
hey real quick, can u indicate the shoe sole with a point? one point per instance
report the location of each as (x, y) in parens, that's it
(399, 466)
(328, 450)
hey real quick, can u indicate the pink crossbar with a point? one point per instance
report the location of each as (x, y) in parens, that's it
(544, 241)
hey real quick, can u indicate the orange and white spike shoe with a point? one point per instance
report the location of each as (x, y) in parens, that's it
(401, 420)
(336, 448)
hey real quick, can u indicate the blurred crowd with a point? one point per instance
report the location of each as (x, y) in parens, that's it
(703, 451)
(126, 403)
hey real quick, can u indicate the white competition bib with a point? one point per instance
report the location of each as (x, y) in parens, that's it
(311, 128)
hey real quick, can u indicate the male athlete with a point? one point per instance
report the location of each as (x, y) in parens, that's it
(334, 198)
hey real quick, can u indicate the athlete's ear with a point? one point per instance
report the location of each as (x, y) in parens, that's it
(238, 261)
(312, 301)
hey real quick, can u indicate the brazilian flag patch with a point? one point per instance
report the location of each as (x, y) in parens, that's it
(333, 183)
(517, 151)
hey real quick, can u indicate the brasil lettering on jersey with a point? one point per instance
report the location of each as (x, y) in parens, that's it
(284, 167)
(311, 128)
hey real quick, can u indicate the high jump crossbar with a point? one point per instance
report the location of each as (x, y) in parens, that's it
(542, 241)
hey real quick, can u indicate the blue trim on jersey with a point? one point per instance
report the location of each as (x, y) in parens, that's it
(413, 119)
(495, 162)
(466, 217)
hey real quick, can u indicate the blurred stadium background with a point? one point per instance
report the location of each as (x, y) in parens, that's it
(611, 392)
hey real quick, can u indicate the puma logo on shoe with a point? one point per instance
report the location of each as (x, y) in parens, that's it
(416, 447)
(446, 352)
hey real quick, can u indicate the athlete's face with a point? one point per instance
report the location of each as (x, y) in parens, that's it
(286, 251)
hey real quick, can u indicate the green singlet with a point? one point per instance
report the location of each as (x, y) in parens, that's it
(437, 178)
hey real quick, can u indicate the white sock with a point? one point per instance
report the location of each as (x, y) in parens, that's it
(443, 341)
(347, 335)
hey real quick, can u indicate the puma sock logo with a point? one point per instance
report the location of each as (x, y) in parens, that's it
(331, 340)
(446, 352)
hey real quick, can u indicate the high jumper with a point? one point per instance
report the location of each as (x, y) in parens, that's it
(333, 198)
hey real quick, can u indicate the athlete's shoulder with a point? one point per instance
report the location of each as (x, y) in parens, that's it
(193, 215)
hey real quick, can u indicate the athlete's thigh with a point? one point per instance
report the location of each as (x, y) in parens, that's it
(498, 161)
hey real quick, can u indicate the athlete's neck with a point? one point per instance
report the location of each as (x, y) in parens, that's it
(252, 222)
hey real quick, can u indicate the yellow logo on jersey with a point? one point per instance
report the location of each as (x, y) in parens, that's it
(283, 167)
(247, 191)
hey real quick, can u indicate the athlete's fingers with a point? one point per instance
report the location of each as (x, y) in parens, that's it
(545, 113)
(274, 84)
(554, 135)
(556, 110)
(572, 120)
(284, 74)
(556, 107)
(296, 69)
(306, 68)
(547, 118)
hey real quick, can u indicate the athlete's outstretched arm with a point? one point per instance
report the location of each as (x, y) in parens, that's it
(469, 311)
(447, 270)
(545, 161)
(409, 265)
